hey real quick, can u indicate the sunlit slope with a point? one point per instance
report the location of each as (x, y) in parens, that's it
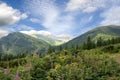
(50, 40)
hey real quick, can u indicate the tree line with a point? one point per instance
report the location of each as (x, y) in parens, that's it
(99, 43)
(89, 44)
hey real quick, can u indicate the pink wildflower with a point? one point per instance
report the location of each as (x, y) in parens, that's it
(17, 76)
(30, 64)
(5, 69)
(81, 70)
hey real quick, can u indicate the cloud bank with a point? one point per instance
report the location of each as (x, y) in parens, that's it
(9, 16)
(3, 33)
(108, 10)
(85, 5)
(111, 16)
(74, 17)
(50, 16)
(48, 34)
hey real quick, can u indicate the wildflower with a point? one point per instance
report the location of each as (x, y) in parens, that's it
(30, 65)
(81, 70)
(17, 76)
(5, 69)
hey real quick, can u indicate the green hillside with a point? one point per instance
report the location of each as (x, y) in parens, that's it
(16, 43)
(49, 40)
(105, 32)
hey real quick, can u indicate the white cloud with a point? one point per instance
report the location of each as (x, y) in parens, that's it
(64, 37)
(35, 20)
(90, 5)
(45, 9)
(59, 21)
(48, 34)
(111, 16)
(34, 32)
(23, 27)
(3, 33)
(85, 5)
(9, 16)
(90, 9)
(16, 27)
(50, 16)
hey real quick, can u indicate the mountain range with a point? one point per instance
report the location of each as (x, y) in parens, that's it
(15, 43)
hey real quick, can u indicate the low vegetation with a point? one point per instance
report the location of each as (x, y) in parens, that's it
(87, 62)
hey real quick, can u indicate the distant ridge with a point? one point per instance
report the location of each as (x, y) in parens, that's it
(105, 32)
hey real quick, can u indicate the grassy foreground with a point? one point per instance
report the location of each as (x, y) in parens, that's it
(94, 64)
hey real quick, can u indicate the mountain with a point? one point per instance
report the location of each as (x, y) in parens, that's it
(49, 39)
(16, 43)
(105, 32)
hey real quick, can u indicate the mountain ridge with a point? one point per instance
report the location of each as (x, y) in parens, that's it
(105, 32)
(19, 43)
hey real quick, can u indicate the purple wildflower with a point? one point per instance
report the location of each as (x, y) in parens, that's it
(81, 70)
(30, 64)
(17, 76)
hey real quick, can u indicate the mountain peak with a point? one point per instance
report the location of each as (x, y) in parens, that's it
(18, 43)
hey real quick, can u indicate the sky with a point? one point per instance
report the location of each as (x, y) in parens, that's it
(61, 18)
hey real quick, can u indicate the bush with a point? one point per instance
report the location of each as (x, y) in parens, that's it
(110, 49)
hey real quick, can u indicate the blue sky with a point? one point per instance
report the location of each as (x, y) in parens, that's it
(64, 18)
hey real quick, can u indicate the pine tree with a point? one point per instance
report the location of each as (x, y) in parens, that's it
(77, 47)
(60, 48)
(89, 43)
(51, 49)
(99, 42)
(84, 46)
(112, 41)
(66, 47)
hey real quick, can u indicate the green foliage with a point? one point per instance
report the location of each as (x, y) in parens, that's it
(64, 65)
(110, 49)
(100, 42)
(91, 61)
(51, 49)
(89, 44)
(86, 65)
(4, 77)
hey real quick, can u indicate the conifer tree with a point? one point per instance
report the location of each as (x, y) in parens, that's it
(89, 43)
(84, 46)
(51, 49)
(99, 42)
